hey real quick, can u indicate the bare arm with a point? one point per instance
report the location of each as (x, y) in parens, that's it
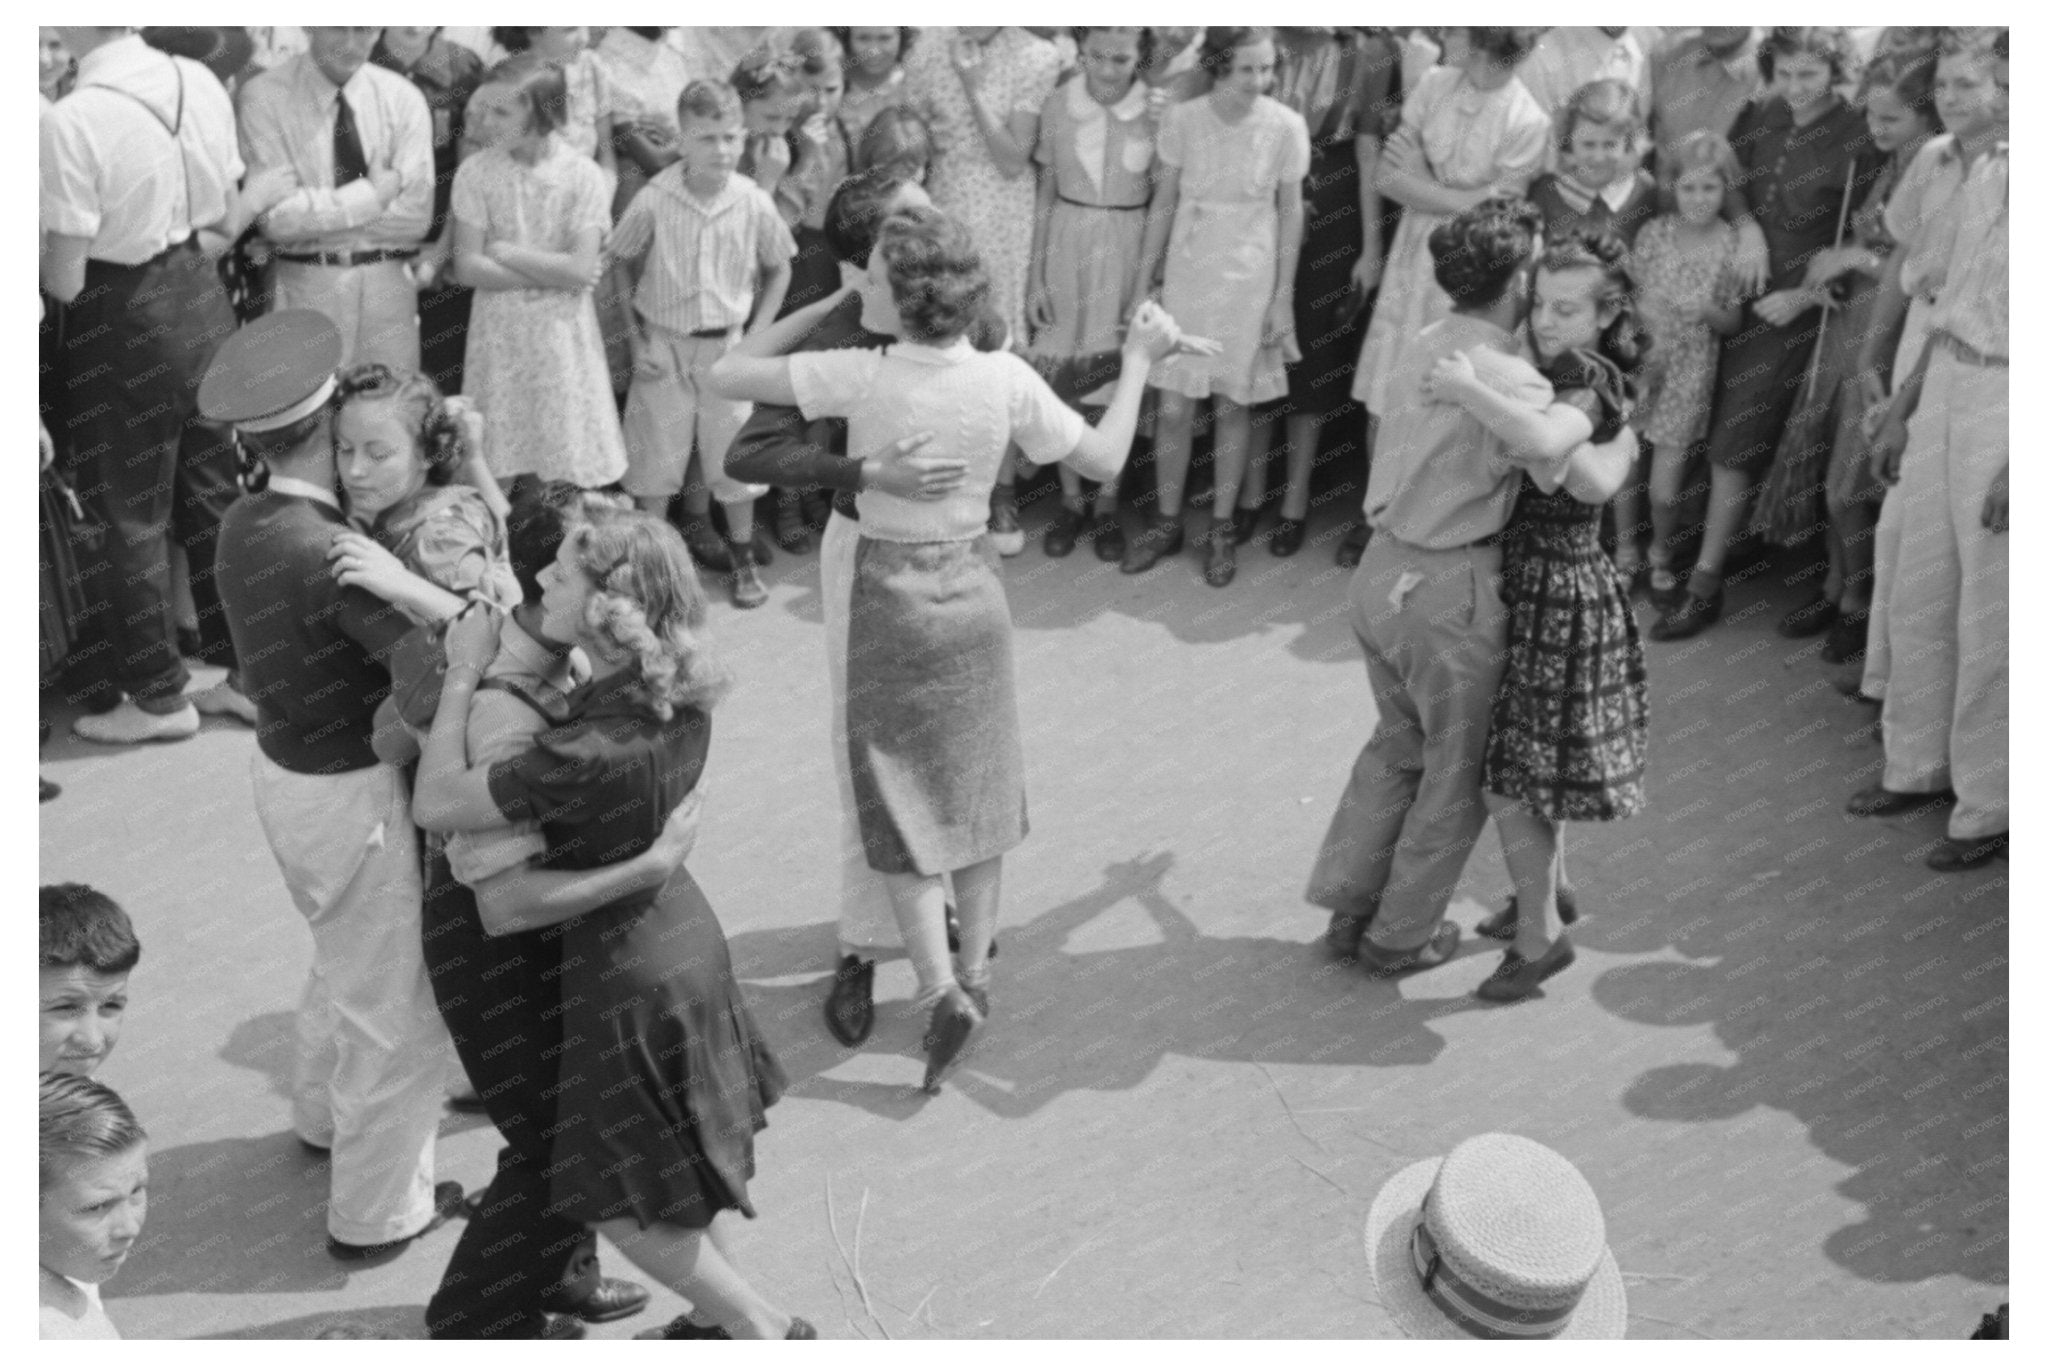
(757, 369)
(63, 265)
(1159, 226)
(529, 898)
(1538, 435)
(477, 270)
(1887, 322)
(574, 269)
(1103, 448)
(768, 301)
(1401, 175)
(1595, 473)
(1366, 273)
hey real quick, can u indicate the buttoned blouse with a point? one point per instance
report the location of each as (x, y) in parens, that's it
(1476, 138)
(106, 168)
(1233, 163)
(1795, 178)
(1100, 154)
(288, 120)
(973, 402)
(704, 259)
(1975, 300)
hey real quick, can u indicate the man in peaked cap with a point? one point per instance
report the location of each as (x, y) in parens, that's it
(373, 1055)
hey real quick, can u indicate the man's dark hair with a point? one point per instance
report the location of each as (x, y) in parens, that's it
(541, 514)
(855, 213)
(83, 927)
(1477, 253)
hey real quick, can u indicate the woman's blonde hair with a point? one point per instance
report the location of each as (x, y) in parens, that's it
(646, 602)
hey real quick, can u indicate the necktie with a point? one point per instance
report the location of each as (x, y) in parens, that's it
(349, 163)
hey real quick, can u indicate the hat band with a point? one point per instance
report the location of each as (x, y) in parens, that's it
(1471, 1308)
(304, 408)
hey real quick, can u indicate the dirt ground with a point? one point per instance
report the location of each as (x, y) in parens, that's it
(1781, 1059)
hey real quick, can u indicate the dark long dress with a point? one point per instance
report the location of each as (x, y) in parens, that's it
(1343, 87)
(1570, 729)
(664, 1078)
(1795, 178)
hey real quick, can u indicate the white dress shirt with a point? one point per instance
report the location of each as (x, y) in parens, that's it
(107, 170)
(288, 120)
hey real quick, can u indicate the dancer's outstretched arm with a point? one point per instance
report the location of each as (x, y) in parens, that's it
(1103, 448)
(757, 370)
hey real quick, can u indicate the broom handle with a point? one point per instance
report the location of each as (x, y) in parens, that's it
(1821, 337)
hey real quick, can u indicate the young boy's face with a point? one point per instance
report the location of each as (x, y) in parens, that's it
(711, 147)
(81, 1014)
(92, 1213)
(1967, 93)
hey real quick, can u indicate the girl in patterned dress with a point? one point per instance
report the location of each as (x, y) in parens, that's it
(874, 76)
(1685, 276)
(530, 217)
(1569, 734)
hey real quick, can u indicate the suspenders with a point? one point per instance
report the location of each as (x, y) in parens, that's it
(172, 128)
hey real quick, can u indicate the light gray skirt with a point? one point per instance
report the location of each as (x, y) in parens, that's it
(931, 706)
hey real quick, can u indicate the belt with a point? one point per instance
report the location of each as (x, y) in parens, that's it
(712, 333)
(187, 243)
(1968, 354)
(348, 258)
(1111, 208)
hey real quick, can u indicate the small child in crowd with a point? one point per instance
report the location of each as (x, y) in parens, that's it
(88, 949)
(530, 217)
(1598, 184)
(587, 118)
(874, 77)
(1684, 266)
(92, 1167)
(711, 255)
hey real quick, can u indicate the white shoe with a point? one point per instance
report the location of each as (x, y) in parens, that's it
(129, 724)
(224, 699)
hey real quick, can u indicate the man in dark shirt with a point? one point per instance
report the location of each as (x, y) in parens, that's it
(373, 1055)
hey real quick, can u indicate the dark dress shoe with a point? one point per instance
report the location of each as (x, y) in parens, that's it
(563, 1328)
(1666, 598)
(954, 1022)
(1809, 618)
(1847, 641)
(1517, 978)
(1501, 924)
(1222, 564)
(1109, 537)
(1852, 690)
(1352, 548)
(608, 1301)
(1288, 534)
(1243, 523)
(1882, 801)
(48, 789)
(1068, 524)
(850, 1008)
(953, 933)
(1441, 948)
(448, 1204)
(1956, 856)
(188, 642)
(1692, 616)
(679, 1329)
(1345, 930)
(705, 545)
(1160, 537)
(792, 532)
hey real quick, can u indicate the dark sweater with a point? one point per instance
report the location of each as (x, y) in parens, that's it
(311, 652)
(1562, 216)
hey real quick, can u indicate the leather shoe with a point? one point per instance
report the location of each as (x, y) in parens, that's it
(1441, 948)
(1352, 548)
(1288, 534)
(679, 1329)
(1809, 618)
(1852, 690)
(48, 789)
(1109, 536)
(850, 1008)
(1222, 565)
(1345, 930)
(448, 1204)
(1693, 615)
(563, 1328)
(1847, 641)
(1501, 924)
(1243, 523)
(1160, 537)
(1882, 801)
(1517, 978)
(954, 1022)
(1067, 528)
(705, 545)
(1956, 856)
(608, 1301)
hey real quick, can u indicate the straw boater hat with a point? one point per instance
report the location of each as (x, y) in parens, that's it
(1502, 1239)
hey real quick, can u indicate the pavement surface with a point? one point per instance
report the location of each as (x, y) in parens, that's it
(1781, 1059)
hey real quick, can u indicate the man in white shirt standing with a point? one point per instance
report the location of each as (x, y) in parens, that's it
(137, 164)
(359, 143)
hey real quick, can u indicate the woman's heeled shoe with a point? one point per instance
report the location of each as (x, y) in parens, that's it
(1243, 523)
(1517, 978)
(1159, 537)
(1501, 924)
(1222, 565)
(954, 1022)
(1288, 534)
(1693, 615)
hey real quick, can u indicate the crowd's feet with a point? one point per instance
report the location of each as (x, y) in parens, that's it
(448, 1204)
(1159, 537)
(130, 724)
(850, 1006)
(1692, 615)
(792, 527)
(748, 591)
(1954, 855)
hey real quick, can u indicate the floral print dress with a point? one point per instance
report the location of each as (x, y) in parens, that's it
(1678, 371)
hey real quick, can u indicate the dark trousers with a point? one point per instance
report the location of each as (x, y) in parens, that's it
(444, 334)
(501, 999)
(136, 342)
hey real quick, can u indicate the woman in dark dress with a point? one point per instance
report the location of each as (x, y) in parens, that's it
(1806, 157)
(664, 1078)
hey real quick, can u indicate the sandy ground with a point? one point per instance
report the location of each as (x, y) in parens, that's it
(1781, 1059)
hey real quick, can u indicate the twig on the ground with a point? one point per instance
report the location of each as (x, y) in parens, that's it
(852, 1263)
(1325, 1175)
(1289, 1109)
(1673, 1323)
(921, 1305)
(1062, 1266)
(858, 1283)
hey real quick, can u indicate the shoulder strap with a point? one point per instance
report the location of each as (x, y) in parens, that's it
(173, 127)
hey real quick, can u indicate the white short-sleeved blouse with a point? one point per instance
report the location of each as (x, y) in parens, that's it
(974, 403)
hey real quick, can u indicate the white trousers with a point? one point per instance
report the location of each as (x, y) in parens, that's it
(1945, 706)
(373, 1056)
(1877, 651)
(866, 919)
(375, 306)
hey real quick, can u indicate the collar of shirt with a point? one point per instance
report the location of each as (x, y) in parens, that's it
(952, 353)
(304, 488)
(312, 83)
(1091, 124)
(733, 193)
(1614, 194)
(107, 62)
(520, 653)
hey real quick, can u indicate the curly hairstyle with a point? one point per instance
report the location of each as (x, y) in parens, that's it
(817, 50)
(896, 137)
(645, 602)
(433, 424)
(1508, 46)
(539, 84)
(1220, 45)
(1605, 103)
(1623, 340)
(856, 210)
(82, 927)
(1477, 252)
(1909, 75)
(935, 274)
(1700, 148)
(767, 72)
(904, 38)
(79, 1118)
(1830, 44)
(1146, 42)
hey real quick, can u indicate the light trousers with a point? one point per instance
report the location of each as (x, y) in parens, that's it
(1877, 652)
(373, 1055)
(866, 919)
(375, 306)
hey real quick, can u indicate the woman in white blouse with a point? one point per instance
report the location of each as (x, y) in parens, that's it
(938, 766)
